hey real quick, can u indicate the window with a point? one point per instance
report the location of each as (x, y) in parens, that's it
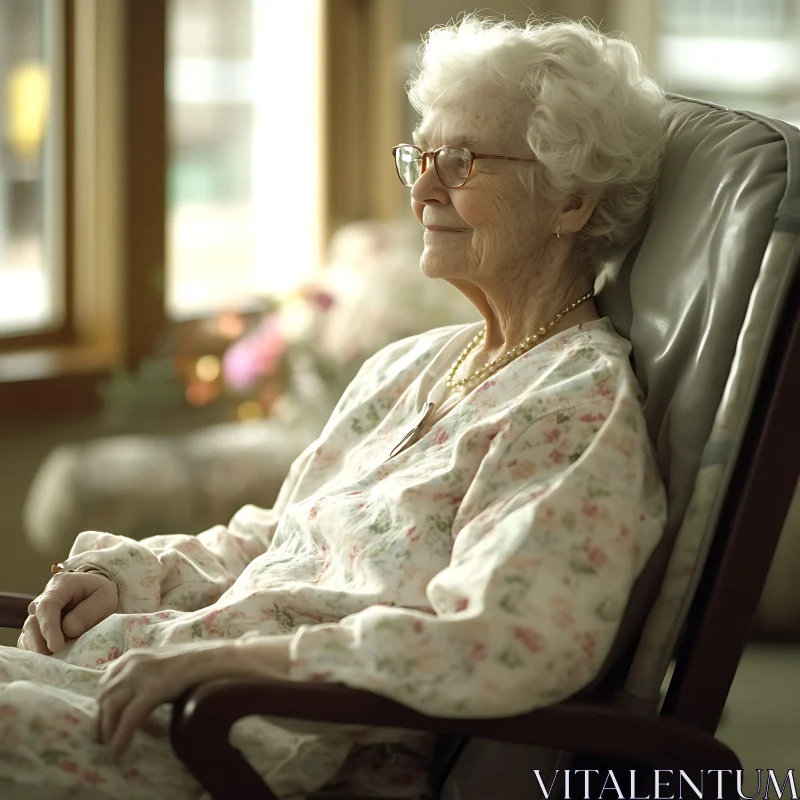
(244, 176)
(743, 54)
(31, 163)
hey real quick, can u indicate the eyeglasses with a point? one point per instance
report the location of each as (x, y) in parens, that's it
(453, 164)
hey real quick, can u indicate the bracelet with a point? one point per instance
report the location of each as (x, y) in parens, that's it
(56, 568)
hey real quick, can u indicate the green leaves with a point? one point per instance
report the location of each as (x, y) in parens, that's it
(581, 567)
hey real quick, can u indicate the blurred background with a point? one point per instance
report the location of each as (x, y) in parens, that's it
(202, 237)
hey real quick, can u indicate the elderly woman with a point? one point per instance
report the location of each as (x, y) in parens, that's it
(464, 534)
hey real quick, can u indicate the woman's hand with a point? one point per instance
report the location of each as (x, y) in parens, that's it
(134, 685)
(71, 604)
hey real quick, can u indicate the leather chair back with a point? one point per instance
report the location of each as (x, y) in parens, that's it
(699, 297)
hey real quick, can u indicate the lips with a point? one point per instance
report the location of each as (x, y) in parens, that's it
(443, 228)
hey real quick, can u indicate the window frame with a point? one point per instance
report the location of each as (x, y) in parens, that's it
(63, 332)
(56, 373)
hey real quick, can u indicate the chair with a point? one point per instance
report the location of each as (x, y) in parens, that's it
(710, 300)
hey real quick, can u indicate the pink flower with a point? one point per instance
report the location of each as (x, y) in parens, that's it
(111, 655)
(590, 509)
(69, 766)
(441, 437)
(605, 391)
(586, 642)
(478, 652)
(597, 557)
(557, 456)
(210, 620)
(254, 356)
(593, 418)
(321, 299)
(563, 618)
(529, 637)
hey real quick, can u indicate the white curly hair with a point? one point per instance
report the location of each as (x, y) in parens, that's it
(595, 124)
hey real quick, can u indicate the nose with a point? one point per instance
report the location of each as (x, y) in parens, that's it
(428, 189)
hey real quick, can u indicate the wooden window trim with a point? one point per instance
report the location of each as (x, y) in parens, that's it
(361, 114)
(56, 373)
(144, 236)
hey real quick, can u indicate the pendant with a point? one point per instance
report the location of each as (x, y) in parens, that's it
(415, 434)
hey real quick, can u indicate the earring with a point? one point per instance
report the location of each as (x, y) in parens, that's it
(558, 232)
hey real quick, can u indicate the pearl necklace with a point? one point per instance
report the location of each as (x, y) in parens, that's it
(416, 433)
(492, 366)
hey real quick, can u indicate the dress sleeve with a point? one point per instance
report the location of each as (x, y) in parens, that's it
(179, 571)
(526, 611)
(187, 573)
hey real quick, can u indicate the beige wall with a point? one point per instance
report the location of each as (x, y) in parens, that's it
(637, 19)
(421, 15)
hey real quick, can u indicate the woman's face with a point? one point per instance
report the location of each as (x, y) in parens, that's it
(490, 230)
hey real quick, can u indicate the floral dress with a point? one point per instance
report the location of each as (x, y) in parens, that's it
(481, 572)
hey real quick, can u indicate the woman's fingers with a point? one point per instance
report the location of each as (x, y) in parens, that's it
(134, 685)
(31, 637)
(132, 715)
(56, 596)
(88, 613)
(128, 694)
(117, 686)
(48, 614)
(98, 724)
(89, 598)
(111, 705)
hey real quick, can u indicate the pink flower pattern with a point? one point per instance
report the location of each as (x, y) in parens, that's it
(481, 572)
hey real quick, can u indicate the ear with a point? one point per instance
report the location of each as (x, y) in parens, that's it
(576, 213)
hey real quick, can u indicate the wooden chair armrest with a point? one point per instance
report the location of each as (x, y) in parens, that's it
(14, 609)
(202, 719)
